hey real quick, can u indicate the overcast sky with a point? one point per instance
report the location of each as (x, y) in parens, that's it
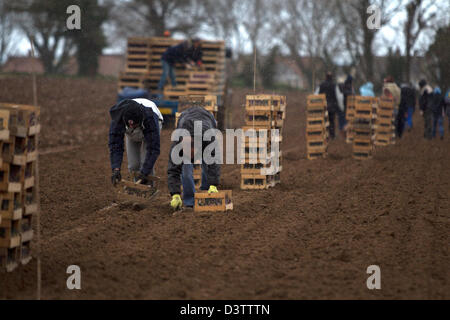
(389, 36)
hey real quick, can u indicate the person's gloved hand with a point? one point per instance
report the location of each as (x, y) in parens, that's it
(176, 202)
(212, 189)
(116, 177)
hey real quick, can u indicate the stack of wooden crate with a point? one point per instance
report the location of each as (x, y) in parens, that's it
(144, 68)
(349, 116)
(363, 126)
(264, 119)
(385, 129)
(19, 127)
(316, 126)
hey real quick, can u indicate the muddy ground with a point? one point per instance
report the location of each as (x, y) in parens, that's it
(311, 237)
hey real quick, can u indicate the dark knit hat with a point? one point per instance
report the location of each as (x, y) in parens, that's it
(133, 111)
(422, 83)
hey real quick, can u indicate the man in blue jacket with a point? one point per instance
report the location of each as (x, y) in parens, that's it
(140, 126)
(181, 53)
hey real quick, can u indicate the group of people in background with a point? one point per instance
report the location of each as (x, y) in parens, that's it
(434, 105)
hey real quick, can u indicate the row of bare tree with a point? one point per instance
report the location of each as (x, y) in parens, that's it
(329, 32)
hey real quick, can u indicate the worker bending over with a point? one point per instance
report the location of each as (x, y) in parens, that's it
(140, 122)
(182, 173)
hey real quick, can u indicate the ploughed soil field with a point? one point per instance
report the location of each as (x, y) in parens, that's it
(311, 237)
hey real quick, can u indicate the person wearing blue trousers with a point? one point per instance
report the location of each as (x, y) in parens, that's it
(180, 173)
(187, 180)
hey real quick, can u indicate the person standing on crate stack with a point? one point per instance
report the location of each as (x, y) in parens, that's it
(188, 52)
(182, 173)
(139, 121)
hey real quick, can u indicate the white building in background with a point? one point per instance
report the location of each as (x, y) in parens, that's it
(288, 73)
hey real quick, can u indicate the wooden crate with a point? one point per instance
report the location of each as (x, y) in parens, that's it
(9, 258)
(320, 134)
(316, 100)
(4, 125)
(11, 205)
(10, 233)
(317, 155)
(130, 191)
(25, 252)
(362, 154)
(11, 177)
(261, 169)
(256, 181)
(26, 229)
(213, 202)
(317, 123)
(32, 117)
(29, 201)
(17, 119)
(265, 102)
(260, 119)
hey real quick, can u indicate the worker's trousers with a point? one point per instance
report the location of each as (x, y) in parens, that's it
(428, 124)
(136, 152)
(409, 121)
(168, 70)
(438, 124)
(331, 128)
(187, 179)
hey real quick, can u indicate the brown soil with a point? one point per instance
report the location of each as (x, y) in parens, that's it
(311, 237)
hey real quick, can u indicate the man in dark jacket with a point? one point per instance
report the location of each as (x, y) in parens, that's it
(408, 102)
(405, 101)
(425, 104)
(438, 108)
(182, 172)
(140, 127)
(328, 87)
(181, 53)
(348, 91)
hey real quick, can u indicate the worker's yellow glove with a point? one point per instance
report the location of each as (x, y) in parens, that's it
(212, 189)
(176, 202)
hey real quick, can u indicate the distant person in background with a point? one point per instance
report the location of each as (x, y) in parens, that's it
(438, 108)
(366, 90)
(328, 87)
(348, 91)
(391, 90)
(187, 52)
(408, 99)
(341, 107)
(403, 109)
(447, 107)
(425, 102)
